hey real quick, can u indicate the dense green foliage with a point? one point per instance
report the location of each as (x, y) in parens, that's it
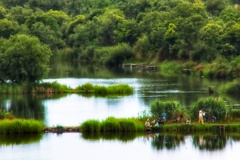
(212, 106)
(23, 59)
(171, 108)
(115, 31)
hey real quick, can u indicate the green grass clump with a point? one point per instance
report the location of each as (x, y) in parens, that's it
(112, 124)
(54, 87)
(20, 126)
(48, 87)
(171, 67)
(120, 89)
(91, 126)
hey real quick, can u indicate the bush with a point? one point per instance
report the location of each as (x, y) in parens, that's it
(118, 54)
(212, 106)
(172, 67)
(171, 108)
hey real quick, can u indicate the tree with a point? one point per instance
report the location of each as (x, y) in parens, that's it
(24, 59)
(107, 23)
(7, 27)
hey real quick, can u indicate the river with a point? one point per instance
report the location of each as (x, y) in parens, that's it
(73, 109)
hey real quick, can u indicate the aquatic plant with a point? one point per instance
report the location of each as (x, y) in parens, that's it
(91, 126)
(54, 87)
(20, 126)
(120, 89)
(112, 124)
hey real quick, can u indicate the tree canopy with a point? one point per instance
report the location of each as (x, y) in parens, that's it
(23, 59)
(153, 30)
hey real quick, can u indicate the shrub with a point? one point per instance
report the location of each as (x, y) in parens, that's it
(172, 67)
(171, 108)
(213, 106)
(118, 54)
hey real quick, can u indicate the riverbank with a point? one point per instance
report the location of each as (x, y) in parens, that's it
(177, 128)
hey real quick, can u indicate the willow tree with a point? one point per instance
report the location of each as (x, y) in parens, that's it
(24, 59)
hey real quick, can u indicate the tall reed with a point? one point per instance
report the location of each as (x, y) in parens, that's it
(112, 124)
(20, 126)
(121, 89)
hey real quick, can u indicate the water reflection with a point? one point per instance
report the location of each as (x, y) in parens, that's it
(124, 137)
(23, 106)
(7, 140)
(161, 141)
(210, 142)
(120, 146)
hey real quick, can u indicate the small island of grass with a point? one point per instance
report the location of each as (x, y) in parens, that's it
(56, 88)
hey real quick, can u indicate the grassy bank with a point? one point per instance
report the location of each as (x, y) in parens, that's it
(115, 125)
(20, 126)
(235, 127)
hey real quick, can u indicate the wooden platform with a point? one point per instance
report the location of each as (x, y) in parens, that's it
(142, 67)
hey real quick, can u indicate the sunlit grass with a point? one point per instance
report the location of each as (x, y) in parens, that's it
(112, 124)
(20, 126)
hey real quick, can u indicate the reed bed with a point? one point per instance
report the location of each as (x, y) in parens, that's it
(112, 124)
(54, 87)
(120, 89)
(20, 126)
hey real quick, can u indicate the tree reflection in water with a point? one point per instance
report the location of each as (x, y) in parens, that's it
(168, 141)
(209, 142)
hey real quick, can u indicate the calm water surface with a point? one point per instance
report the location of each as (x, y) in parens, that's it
(73, 146)
(73, 109)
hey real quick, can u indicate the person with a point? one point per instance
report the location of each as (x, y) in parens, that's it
(164, 116)
(200, 116)
(148, 124)
(160, 121)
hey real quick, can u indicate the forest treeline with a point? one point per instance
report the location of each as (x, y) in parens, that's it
(205, 34)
